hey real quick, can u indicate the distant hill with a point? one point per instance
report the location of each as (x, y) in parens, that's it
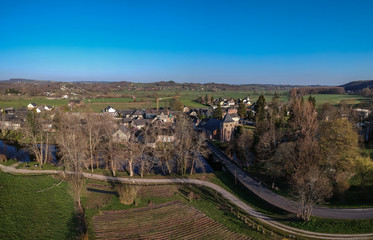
(358, 85)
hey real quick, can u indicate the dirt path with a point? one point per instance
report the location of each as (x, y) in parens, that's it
(261, 217)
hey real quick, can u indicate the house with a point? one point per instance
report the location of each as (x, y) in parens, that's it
(125, 113)
(166, 135)
(39, 109)
(362, 113)
(122, 134)
(127, 121)
(138, 114)
(163, 117)
(231, 102)
(110, 109)
(150, 114)
(185, 109)
(75, 103)
(31, 106)
(48, 108)
(139, 123)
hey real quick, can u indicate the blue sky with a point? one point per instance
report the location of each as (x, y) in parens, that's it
(280, 42)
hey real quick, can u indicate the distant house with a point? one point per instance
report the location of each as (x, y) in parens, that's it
(75, 103)
(127, 121)
(48, 108)
(231, 102)
(139, 123)
(232, 110)
(166, 117)
(362, 113)
(110, 109)
(122, 134)
(31, 106)
(150, 114)
(138, 114)
(125, 113)
(39, 109)
(185, 109)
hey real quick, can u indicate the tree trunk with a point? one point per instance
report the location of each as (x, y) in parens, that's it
(41, 149)
(91, 148)
(168, 167)
(112, 167)
(47, 148)
(130, 165)
(192, 167)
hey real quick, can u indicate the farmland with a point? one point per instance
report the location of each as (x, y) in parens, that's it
(147, 99)
(101, 197)
(174, 220)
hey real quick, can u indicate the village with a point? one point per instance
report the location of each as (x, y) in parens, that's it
(204, 119)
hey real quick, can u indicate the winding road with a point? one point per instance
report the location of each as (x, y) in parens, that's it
(227, 195)
(284, 203)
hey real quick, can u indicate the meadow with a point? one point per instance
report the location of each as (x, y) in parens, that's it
(31, 209)
(147, 99)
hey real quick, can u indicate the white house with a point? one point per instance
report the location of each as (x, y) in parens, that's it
(48, 108)
(31, 106)
(39, 109)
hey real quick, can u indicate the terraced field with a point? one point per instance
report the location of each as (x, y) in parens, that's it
(172, 220)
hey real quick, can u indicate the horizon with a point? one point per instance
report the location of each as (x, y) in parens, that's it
(244, 42)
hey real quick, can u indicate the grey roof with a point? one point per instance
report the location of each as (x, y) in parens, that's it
(124, 129)
(227, 118)
(211, 124)
(139, 122)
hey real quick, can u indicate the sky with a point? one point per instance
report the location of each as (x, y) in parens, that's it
(237, 42)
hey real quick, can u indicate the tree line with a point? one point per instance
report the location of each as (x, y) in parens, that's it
(316, 154)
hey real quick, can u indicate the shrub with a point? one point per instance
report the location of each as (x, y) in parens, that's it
(127, 193)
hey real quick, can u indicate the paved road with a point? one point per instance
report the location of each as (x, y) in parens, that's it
(227, 195)
(284, 203)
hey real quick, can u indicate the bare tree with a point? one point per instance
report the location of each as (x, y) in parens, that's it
(164, 151)
(183, 144)
(93, 129)
(111, 146)
(198, 150)
(38, 138)
(188, 145)
(73, 147)
(310, 188)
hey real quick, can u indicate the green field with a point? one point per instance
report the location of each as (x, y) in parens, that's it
(29, 211)
(21, 101)
(147, 99)
(188, 98)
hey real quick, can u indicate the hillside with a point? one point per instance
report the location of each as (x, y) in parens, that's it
(358, 85)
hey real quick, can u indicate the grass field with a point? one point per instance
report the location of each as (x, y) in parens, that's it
(21, 101)
(333, 225)
(29, 211)
(188, 98)
(147, 99)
